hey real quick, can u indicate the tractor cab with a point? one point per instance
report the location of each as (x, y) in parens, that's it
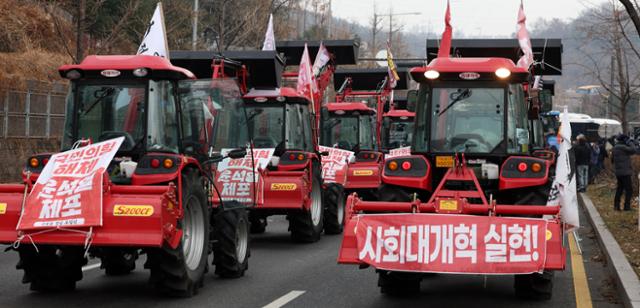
(397, 129)
(348, 126)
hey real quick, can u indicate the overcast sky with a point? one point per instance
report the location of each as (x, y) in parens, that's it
(474, 17)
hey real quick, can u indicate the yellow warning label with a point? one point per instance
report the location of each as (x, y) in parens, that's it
(133, 210)
(449, 205)
(444, 161)
(365, 172)
(3, 208)
(284, 186)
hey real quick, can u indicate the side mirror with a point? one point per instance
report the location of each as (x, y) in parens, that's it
(412, 100)
(215, 157)
(325, 153)
(237, 153)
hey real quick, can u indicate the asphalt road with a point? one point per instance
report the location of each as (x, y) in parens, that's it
(307, 275)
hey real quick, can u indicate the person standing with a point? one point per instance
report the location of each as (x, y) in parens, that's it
(583, 157)
(593, 163)
(621, 157)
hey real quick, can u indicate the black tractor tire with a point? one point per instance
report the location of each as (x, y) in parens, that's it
(176, 272)
(398, 284)
(334, 202)
(534, 286)
(258, 224)
(117, 261)
(302, 225)
(231, 249)
(51, 269)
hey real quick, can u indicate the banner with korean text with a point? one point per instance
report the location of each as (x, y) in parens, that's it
(68, 192)
(334, 164)
(452, 243)
(238, 180)
(403, 151)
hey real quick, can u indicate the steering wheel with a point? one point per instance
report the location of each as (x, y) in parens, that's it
(264, 142)
(128, 142)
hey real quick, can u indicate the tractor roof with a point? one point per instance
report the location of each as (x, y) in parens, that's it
(351, 106)
(161, 68)
(399, 113)
(264, 67)
(451, 68)
(368, 78)
(344, 51)
(277, 95)
(547, 51)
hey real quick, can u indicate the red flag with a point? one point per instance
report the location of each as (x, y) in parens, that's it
(523, 38)
(306, 81)
(445, 44)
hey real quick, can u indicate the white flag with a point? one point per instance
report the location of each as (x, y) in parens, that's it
(563, 189)
(523, 39)
(321, 61)
(269, 37)
(154, 42)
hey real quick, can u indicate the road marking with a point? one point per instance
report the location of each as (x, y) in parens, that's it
(284, 299)
(580, 284)
(91, 266)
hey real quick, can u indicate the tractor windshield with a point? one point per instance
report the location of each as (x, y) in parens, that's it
(398, 133)
(105, 111)
(265, 123)
(467, 119)
(348, 132)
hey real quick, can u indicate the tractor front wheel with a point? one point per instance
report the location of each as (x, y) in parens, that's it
(231, 249)
(51, 269)
(398, 284)
(334, 200)
(180, 271)
(534, 286)
(306, 225)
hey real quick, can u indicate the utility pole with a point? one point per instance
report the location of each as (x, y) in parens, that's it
(194, 34)
(391, 14)
(612, 71)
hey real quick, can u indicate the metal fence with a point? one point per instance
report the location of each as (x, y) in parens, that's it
(32, 113)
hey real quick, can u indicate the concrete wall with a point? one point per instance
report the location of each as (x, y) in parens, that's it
(14, 153)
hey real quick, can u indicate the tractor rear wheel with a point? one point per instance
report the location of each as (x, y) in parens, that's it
(180, 271)
(306, 225)
(398, 284)
(334, 200)
(116, 261)
(51, 269)
(231, 249)
(534, 286)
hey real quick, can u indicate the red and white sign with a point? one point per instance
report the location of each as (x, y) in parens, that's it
(68, 192)
(452, 243)
(334, 165)
(236, 177)
(403, 151)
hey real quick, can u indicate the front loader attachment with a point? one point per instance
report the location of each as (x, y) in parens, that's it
(137, 216)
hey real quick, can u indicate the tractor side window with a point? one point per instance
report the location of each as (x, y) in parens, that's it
(517, 128)
(306, 128)
(295, 129)
(163, 124)
(420, 142)
(194, 136)
(67, 137)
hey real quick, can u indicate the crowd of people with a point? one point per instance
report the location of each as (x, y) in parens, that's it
(590, 158)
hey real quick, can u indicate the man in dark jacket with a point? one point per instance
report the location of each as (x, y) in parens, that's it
(621, 157)
(583, 156)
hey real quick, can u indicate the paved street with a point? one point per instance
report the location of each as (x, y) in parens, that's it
(308, 276)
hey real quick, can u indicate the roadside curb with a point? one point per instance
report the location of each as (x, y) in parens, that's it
(626, 278)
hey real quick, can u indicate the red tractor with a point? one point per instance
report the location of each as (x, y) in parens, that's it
(354, 122)
(163, 205)
(470, 198)
(282, 131)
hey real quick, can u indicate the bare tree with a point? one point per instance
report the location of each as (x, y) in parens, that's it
(612, 58)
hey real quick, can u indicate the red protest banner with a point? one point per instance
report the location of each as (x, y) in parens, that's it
(452, 243)
(334, 165)
(68, 192)
(236, 177)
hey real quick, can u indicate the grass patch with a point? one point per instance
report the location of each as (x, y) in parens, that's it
(623, 225)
